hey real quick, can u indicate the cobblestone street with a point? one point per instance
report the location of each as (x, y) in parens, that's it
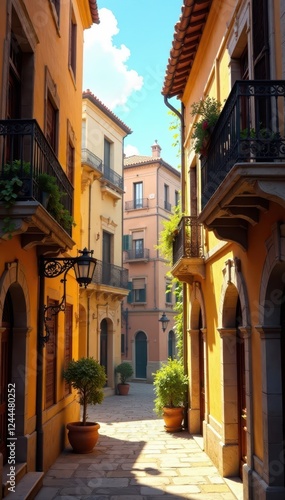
(135, 459)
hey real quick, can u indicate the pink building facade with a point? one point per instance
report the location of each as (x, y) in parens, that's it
(151, 190)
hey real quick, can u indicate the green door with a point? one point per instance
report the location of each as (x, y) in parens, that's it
(141, 355)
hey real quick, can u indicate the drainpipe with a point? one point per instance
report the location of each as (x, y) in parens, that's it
(184, 285)
(39, 389)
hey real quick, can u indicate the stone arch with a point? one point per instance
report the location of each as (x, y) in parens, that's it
(107, 330)
(197, 306)
(14, 278)
(233, 286)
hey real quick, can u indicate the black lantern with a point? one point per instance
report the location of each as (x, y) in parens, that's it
(164, 321)
(84, 267)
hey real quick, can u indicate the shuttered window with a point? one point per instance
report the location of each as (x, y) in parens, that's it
(51, 354)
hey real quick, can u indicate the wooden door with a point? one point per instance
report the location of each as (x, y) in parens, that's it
(104, 345)
(242, 413)
(202, 380)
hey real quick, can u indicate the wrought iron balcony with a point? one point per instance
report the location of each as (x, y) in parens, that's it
(136, 204)
(115, 179)
(91, 160)
(142, 254)
(108, 274)
(25, 150)
(245, 159)
(188, 249)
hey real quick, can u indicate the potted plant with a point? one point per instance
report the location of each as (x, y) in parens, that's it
(125, 371)
(170, 387)
(88, 377)
(209, 109)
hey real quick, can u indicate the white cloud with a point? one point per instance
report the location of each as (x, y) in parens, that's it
(105, 66)
(131, 150)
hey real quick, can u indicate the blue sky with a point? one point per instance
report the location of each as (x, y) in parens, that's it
(125, 59)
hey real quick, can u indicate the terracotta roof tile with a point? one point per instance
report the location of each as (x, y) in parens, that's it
(94, 11)
(187, 35)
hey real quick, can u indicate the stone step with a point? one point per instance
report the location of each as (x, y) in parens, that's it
(20, 471)
(27, 487)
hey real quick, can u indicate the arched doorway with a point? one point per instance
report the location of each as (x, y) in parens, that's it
(141, 354)
(5, 371)
(171, 344)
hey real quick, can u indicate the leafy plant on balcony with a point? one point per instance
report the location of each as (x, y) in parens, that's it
(209, 109)
(10, 187)
(48, 185)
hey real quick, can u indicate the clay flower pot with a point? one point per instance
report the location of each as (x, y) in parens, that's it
(83, 438)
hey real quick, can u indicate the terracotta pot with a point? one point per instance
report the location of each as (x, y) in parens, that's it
(83, 438)
(123, 389)
(173, 419)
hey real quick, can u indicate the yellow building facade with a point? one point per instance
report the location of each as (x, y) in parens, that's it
(40, 142)
(102, 186)
(232, 267)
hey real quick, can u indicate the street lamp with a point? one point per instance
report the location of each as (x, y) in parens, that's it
(164, 321)
(50, 267)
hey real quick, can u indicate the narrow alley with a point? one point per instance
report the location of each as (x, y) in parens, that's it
(135, 459)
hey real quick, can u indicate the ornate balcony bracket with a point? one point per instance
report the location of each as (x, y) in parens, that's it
(187, 269)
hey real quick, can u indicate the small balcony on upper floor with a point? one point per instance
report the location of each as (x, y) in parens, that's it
(111, 279)
(93, 168)
(136, 204)
(36, 196)
(91, 164)
(188, 250)
(136, 255)
(244, 169)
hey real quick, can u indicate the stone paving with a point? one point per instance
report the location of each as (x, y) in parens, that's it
(135, 459)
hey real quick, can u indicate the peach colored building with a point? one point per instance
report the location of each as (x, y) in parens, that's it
(151, 191)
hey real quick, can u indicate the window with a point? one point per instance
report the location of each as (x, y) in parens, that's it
(67, 342)
(51, 357)
(70, 162)
(168, 293)
(107, 154)
(137, 289)
(176, 198)
(72, 44)
(55, 7)
(138, 248)
(138, 195)
(51, 124)
(167, 205)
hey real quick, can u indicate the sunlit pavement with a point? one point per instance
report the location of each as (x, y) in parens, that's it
(135, 459)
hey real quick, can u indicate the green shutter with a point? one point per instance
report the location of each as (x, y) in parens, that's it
(130, 287)
(127, 242)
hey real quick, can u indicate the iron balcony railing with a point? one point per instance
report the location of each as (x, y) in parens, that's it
(137, 254)
(135, 204)
(112, 176)
(250, 129)
(23, 143)
(108, 274)
(91, 159)
(188, 242)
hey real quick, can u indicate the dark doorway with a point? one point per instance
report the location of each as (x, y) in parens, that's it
(141, 355)
(5, 371)
(242, 413)
(104, 345)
